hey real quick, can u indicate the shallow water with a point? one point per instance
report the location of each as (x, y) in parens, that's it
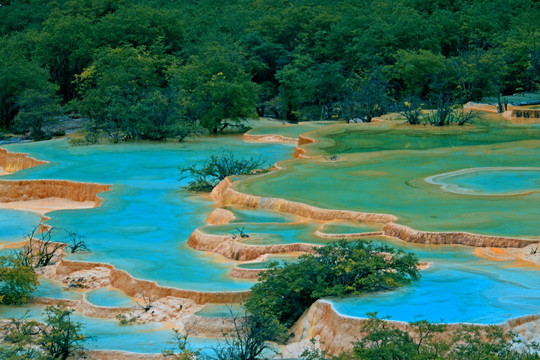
(268, 233)
(490, 181)
(397, 136)
(349, 228)
(383, 168)
(146, 218)
(109, 297)
(464, 291)
(55, 290)
(259, 216)
(393, 182)
(104, 334)
(288, 130)
(15, 224)
(221, 310)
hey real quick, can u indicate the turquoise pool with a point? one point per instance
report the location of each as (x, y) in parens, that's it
(146, 218)
(449, 292)
(15, 224)
(490, 181)
(109, 297)
(104, 334)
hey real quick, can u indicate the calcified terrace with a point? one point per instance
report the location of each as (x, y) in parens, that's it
(346, 181)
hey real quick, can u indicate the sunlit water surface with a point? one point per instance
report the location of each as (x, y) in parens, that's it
(146, 219)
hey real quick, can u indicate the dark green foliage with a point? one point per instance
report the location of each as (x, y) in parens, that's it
(37, 109)
(342, 269)
(19, 77)
(11, 352)
(122, 96)
(206, 176)
(446, 114)
(214, 88)
(365, 98)
(162, 69)
(17, 279)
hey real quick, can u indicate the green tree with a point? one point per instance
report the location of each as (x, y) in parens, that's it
(22, 14)
(11, 352)
(248, 339)
(65, 46)
(17, 75)
(342, 269)
(37, 109)
(206, 176)
(57, 337)
(292, 83)
(413, 71)
(17, 279)
(491, 342)
(215, 89)
(62, 337)
(476, 72)
(122, 96)
(386, 341)
(325, 84)
(142, 25)
(365, 97)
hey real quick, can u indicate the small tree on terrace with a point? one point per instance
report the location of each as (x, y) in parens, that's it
(17, 279)
(412, 111)
(217, 168)
(40, 250)
(248, 339)
(287, 290)
(62, 336)
(57, 337)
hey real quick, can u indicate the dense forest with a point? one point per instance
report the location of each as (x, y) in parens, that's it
(159, 69)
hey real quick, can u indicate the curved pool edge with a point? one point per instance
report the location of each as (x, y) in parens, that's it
(324, 321)
(456, 189)
(226, 195)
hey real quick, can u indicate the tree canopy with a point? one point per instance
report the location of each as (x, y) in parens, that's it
(341, 269)
(154, 69)
(17, 279)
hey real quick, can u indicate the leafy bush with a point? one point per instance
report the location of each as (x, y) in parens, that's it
(181, 349)
(218, 167)
(248, 339)
(342, 269)
(17, 279)
(428, 341)
(62, 336)
(412, 112)
(445, 114)
(385, 341)
(57, 337)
